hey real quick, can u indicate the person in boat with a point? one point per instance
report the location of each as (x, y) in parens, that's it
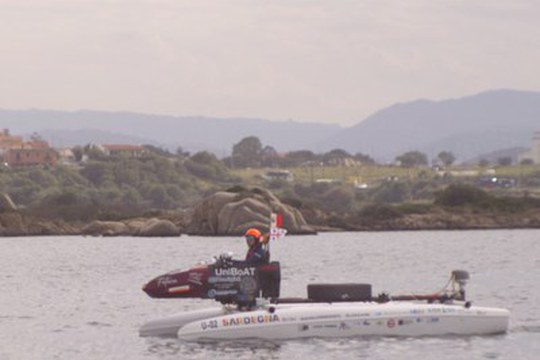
(257, 253)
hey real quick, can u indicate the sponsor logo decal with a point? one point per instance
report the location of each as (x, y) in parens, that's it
(212, 293)
(286, 319)
(166, 281)
(249, 271)
(248, 285)
(402, 322)
(250, 320)
(319, 317)
(326, 326)
(357, 315)
(195, 278)
(179, 289)
(223, 279)
(391, 323)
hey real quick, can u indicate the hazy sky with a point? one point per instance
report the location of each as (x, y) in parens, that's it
(321, 60)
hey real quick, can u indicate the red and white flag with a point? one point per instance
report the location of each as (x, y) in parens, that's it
(276, 230)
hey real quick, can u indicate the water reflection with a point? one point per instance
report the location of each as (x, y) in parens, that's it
(245, 349)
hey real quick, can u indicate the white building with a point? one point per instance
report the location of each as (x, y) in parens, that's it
(534, 152)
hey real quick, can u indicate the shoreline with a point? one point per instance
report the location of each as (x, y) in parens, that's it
(15, 224)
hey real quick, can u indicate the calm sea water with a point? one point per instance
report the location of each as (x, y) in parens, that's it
(81, 298)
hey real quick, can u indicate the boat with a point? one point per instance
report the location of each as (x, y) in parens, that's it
(251, 307)
(347, 319)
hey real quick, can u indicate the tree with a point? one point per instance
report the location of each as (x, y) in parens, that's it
(42, 178)
(126, 172)
(338, 198)
(247, 153)
(98, 172)
(204, 157)
(391, 192)
(78, 153)
(364, 159)
(156, 150)
(300, 157)
(181, 152)
(483, 162)
(412, 159)
(504, 161)
(446, 157)
(130, 198)
(207, 166)
(461, 194)
(335, 156)
(159, 197)
(269, 156)
(94, 152)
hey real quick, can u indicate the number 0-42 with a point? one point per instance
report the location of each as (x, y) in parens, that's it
(212, 324)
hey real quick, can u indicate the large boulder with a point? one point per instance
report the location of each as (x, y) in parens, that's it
(134, 227)
(51, 227)
(6, 204)
(16, 224)
(205, 216)
(159, 228)
(233, 212)
(12, 224)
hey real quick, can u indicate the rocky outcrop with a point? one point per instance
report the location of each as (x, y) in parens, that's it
(232, 213)
(456, 219)
(12, 224)
(159, 228)
(133, 227)
(106, 228)
(6, 204)
(17, 224)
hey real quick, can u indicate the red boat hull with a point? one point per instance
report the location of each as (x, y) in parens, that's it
(231, 283)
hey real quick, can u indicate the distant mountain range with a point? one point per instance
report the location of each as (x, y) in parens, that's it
(469, 127)
(62, 128)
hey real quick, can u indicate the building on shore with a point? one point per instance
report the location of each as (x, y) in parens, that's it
(7, 141)
(15, 152)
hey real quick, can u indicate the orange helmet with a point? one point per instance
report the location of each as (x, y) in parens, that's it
(253, 232)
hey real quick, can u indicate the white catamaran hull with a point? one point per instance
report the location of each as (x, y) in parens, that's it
(170, 325)
(303, 320)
